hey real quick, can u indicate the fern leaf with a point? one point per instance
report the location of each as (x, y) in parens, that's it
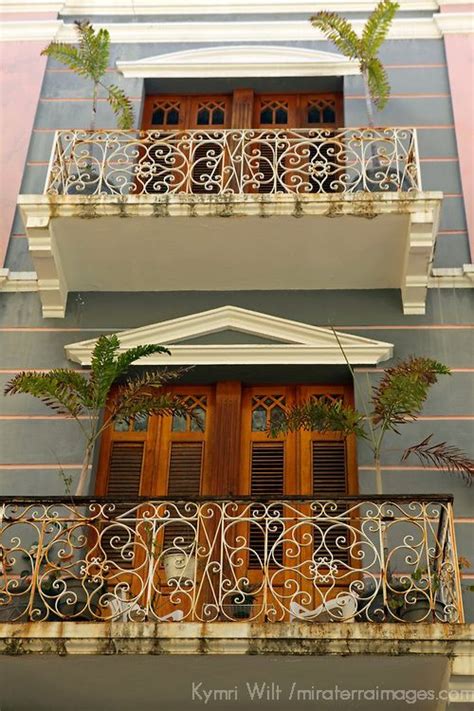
(320, 415)
(68, 55)
(444, 456)
(379, 85)
(121, 106)
(62, 390)
(94, 49)
(377, 27)
(339, 31)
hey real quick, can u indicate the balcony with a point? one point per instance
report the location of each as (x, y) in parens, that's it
(347, 209)
(354, 559)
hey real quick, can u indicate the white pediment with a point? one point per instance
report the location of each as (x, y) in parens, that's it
(241, 61)
(292, 343)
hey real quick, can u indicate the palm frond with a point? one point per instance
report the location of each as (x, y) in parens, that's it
(147, 403)
(104, 367)
(339, 31)
(443, 456)
(320, 415)
(122, 107)
(379, 85)
(125, 360)
(377, 26)
(144, 383)
(68, 55)
(94, 49)
(62, 390)
(400, 395)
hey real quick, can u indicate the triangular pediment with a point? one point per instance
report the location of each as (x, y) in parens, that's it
(241, 61)
(262, 338)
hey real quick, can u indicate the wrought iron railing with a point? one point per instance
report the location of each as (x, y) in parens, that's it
(367, 559)
(234, 161)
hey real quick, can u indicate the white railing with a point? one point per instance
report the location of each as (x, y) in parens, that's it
(234, 161)
(367, 559)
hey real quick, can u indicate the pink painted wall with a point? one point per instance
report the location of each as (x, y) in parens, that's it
(460, 59)
(22, 71)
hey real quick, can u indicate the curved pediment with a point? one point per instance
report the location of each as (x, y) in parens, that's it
(289, 342)
(241, 61)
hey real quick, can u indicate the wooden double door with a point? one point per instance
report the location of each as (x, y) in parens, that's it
(194, 155)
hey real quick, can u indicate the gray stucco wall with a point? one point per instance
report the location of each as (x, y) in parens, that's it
(32, 442)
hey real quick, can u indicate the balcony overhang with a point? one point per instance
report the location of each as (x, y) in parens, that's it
(290, 342)
(182, 242)
(242, 657)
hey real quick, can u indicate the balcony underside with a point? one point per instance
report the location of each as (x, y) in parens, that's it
(239, 242)
(139, 665)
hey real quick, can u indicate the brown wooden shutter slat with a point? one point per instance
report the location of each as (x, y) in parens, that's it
(329, 464)
(125, 470)
(184, 480)
(267, 479)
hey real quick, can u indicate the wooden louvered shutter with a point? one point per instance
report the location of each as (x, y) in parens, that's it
(183, 461)
(329, 467)
(125, 469)
(269, 468)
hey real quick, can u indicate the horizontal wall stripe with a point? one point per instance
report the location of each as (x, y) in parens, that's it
(361, 97)
(50, 465)
(451, 159)
(42, 417)
(382, 370)
(464, 519)
(452, 232)
(396, 468)
(79, 99)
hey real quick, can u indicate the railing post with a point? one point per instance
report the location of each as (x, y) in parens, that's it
(457, 573)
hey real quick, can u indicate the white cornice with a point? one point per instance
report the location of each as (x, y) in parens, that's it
(302, 343)
(455, 22)
(226, 7)
(452, 277)
(198, 32)
(33, 6)
(30, 30)
(243, 61)
(18, 281)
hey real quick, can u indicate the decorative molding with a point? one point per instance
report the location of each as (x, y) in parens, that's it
(305, 344)
(198, 32)
(225, 7)
(17, 281)
(455, 22)
(241, 61)
(33, 6)
(452, 277)
(30, 30)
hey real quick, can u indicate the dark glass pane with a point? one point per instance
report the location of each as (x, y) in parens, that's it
(173, 117)
(313, 115)
(329, 115)
(140, 423)
(158, 117)
(259, 420)
(198, 423)
(281, 116)
(179, 423)
(218, 117)
(203, 117)
(121, 426)
(276, 416)
(266, 116)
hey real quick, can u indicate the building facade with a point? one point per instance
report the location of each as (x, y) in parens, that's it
(256, 225)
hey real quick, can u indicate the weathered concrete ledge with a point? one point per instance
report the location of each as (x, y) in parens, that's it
(122, 638)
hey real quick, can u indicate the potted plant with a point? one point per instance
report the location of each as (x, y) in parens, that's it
(417, 606)
(90, 59)
(85, 397)
(242, 601)
(365, 49)
(396, 400)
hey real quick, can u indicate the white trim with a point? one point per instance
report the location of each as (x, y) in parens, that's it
(33, 6)
(197, 32)
(264, 31)
(241, 61)
(18, 281)
(221, 7)
(452, 277)
(455, 22)
(30, 30)
(308, 344)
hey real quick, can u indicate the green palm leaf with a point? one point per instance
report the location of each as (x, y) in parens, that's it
(62, 390)
(377, 27)
(94, 49)
(339, 31)
(379, 85)
(121, 106)
(320, 415)
(68, 55)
